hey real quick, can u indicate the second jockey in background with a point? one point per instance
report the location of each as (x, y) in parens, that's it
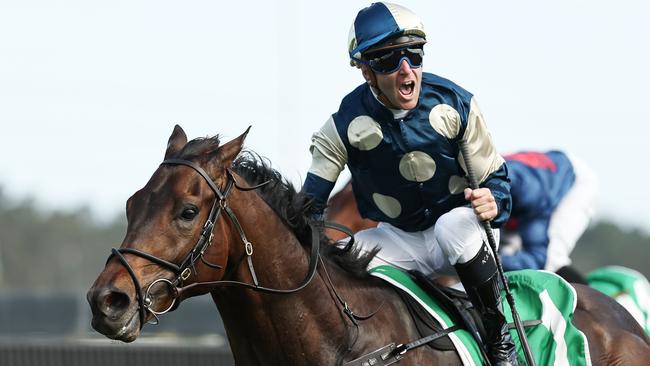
(553, 201)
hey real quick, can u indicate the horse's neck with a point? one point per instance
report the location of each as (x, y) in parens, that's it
(271, 327)
(279, 260)
(306, 327)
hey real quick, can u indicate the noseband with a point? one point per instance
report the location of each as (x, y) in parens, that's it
(187, 266)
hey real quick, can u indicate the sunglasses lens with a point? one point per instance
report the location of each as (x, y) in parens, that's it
(390, 62)
(415, 56)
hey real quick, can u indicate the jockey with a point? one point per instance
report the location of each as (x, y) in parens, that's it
(398, 135)
(553, 200)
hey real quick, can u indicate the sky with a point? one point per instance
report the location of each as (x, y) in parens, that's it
(91, 90)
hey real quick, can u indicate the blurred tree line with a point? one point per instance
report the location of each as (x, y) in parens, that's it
(53, 250)
(66, 250)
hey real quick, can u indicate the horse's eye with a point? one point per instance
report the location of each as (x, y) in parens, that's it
(189, 213)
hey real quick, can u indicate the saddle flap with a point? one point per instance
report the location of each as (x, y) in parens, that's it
(425, 323)
(456, 303)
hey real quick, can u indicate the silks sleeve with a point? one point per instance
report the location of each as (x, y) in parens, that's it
(534, 246)
(489, 167)
(329, 157)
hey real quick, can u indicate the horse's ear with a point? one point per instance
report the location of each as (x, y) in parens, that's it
(229, 151)
(176, 141)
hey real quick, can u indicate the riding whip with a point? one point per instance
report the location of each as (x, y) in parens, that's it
(473, 182)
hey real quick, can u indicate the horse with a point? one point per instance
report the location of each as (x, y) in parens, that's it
(215, 219)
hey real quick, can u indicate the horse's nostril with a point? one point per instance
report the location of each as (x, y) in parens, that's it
(113, 303)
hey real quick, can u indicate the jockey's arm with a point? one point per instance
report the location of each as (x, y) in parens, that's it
(489, 166)
(534, 238)
(328, 160)
(499, 188)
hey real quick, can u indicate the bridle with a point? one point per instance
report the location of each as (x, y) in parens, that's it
(188, 265)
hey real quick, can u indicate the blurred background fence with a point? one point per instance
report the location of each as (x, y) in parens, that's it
(53, 328)
(68, 354)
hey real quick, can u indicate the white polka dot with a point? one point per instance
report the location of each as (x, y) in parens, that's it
(364, 133)
(387, 204)
(417, 166)
(457, 184)
(445, 120)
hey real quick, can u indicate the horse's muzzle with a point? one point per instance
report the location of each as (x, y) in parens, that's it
(114, 314)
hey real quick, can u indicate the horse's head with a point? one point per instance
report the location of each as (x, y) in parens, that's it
(168, 243)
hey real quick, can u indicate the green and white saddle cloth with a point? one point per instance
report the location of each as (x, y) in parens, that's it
(539, 295)
(628, 287)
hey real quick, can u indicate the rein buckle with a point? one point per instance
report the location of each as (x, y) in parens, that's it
(186, 273)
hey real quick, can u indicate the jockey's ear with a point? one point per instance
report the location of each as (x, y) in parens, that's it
(369, 75)
(176, 141)
(229, 151)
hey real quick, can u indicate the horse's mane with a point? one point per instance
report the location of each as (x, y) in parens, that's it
(296, 210)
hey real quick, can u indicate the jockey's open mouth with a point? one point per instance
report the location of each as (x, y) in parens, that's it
(407, 88)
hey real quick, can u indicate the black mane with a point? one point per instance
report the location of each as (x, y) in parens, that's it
(295, 209)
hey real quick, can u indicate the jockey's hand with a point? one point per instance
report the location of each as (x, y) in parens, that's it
(483, 203)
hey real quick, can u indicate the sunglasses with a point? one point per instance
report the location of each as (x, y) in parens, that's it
(391, 61)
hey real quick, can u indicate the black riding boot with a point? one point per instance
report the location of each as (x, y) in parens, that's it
(481, 281)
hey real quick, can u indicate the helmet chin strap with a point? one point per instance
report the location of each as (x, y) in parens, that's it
(384, 99)
(372, 82)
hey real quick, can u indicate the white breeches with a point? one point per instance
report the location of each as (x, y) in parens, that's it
(456, 237)
(571, 217)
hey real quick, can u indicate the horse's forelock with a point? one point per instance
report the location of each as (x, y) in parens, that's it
(199, 146)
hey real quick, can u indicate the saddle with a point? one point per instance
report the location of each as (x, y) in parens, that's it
(457, 304)
(444, 316)
(454, 302)
(432, 333)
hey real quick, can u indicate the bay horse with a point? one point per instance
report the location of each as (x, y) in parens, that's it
(213, 219)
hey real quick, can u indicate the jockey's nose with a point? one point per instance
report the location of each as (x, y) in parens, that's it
(404, 66)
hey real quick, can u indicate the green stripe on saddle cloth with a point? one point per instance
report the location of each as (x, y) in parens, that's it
(539, 295)
(628, 287)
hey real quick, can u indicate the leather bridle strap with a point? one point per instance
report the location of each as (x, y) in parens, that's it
(391, 354)
(198, 169)
(345, 230)
(223, 204)
(202, 287)
(163, 263)
(136, 283)
(248, 246)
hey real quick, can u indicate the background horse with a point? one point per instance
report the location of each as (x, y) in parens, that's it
(342, 209)
(255, 261)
